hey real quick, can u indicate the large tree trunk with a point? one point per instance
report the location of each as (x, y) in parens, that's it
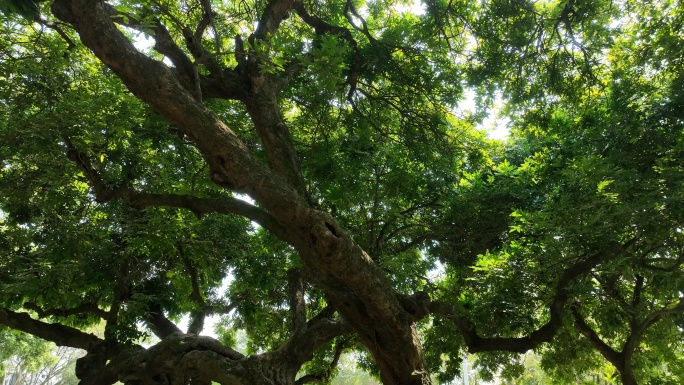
(353, 283)
(627, 375)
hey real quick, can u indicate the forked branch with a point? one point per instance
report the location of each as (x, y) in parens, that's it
(198, 206)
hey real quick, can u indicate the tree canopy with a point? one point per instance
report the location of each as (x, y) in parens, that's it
(381, 220)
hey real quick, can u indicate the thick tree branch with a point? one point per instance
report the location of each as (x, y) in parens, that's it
(170, 359)
(229, 160)
(207, 20)
(59, 334)
(197, 322)
(296, 298)
(264, 110)
(158, 323)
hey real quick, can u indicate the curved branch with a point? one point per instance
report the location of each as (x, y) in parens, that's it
(159, 324)
(59, 334)
(300, 347)
(547, 331)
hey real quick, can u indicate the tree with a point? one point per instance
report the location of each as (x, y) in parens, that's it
(14, 345)
(32, 361)
(381, 220)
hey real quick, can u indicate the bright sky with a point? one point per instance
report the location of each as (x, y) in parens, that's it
(495, 126)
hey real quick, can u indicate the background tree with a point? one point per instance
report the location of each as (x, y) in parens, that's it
(27, 360)
(381, 220)
(21, 354)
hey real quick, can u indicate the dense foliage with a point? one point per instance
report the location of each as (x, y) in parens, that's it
(382, 221)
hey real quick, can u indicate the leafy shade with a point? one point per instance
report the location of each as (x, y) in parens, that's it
(308, 172)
